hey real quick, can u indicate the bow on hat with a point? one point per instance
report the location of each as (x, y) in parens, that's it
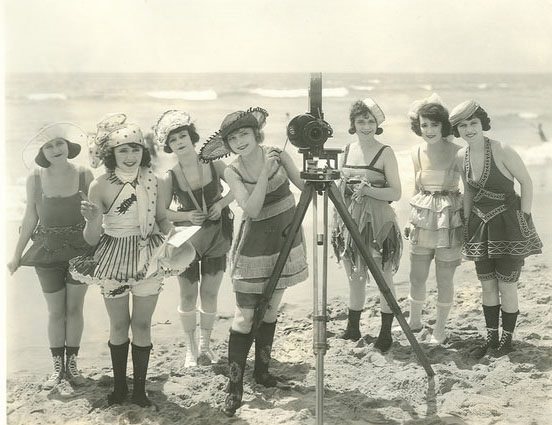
(416, 105)
(112, 131)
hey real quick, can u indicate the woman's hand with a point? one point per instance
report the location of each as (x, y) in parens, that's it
(272, 162)
(13, 265)
(362, 189)
(89, 210)
(214, 211)
(196, 217)
(406, 231)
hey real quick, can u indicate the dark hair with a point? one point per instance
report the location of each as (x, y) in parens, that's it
(483, 117)
(110, 162)
(434, 112)
(259, 137)
(191, 131)
(359, 108)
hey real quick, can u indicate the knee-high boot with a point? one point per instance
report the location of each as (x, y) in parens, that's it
(352, 331)
(119, 357)
(385, 340)
(238, 349)
(140, 362)
(491, 321)
(508, 326)
(263, 350)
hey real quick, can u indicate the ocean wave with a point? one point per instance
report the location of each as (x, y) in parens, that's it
(184, 95)
(47, 96)
(295, 93)
(536, 155)
(528, 115)
(426, 86)
(280, 93)
(363, 88)
(482, 86)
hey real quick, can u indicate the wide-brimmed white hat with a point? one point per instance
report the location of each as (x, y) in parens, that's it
(74, 136)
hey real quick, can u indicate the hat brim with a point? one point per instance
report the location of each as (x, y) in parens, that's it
(75, 137)
(215, 147)
(72, 148)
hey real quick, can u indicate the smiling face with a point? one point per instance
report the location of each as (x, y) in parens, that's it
(180, 142)
(242, 141)
(128, 156)
(55, 151)
(365, 125)
(471, 130)
(431, 130)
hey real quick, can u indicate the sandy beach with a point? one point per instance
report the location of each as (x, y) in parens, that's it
(362, 386)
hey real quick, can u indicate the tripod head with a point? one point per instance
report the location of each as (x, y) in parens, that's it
(309, 132)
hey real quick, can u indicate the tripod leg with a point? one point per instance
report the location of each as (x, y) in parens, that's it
(300, 211)
(335, 197)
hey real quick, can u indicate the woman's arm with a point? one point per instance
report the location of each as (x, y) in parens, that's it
(220, 167)
(514, 164)
(92, 208)
(252, 203)
(414, 157)
(393, 190)
(468, 193)
(28, 224)
(161, 216)
(292, 170)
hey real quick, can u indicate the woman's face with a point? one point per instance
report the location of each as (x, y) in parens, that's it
(242, 141)
(128, 156)
(55, 151)
(180, 142)
(470, 130)
(432, 131)
(365, 125)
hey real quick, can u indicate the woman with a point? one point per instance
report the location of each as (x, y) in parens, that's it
(52, 220)
(259, 179)
(370, 181)
(499, 231)
(197, 192)
(435, 229)
(125, 221)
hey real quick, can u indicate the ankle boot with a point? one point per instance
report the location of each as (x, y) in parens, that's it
(384, 341)
(352, 331)
(57, 375)
(119, 357)
(238, 348)
(72, 373)
(415, 319)
(263, 349)
(140, 361)
(206, 356)
(491, 320)
(508, 326)
(188, 320)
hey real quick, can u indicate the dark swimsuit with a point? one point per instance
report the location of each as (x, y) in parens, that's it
(212, 242)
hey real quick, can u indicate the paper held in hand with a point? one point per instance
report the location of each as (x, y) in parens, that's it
(175, 254)
(182, 234)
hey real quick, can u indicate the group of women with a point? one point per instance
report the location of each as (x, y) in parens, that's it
(111, 230)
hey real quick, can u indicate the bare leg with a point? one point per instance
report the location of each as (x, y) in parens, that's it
(119, 319)
(56, 317)
(419, 271)
(444, 273)
(142, 311)
(209, 289)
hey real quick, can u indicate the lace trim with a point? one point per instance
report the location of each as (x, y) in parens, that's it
(491, 214)
(524, 226)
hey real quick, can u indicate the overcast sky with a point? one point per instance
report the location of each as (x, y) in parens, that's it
(278, 35)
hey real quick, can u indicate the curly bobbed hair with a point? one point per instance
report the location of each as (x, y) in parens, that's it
(194, 136)
(434, 112)
(111, 163)
(359, 108)
(483, 117)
